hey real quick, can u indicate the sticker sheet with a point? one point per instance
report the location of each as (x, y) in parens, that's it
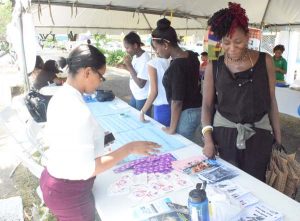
(148, 186)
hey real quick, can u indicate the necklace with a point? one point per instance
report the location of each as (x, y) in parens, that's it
(238, 59)
(250, 80)
(245, 81)
(252, 65)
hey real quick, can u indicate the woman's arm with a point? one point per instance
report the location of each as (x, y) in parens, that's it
(176, 109)
(207, 110)
(280, 70)
(139, 82)
(106, 162)
(283, 68)
(153, 91)
(273, 114)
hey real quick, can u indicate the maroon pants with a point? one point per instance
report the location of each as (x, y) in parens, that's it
(68, 200)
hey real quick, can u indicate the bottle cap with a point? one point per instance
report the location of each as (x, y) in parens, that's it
(198, 195)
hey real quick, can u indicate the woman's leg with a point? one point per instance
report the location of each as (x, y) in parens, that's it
(132, 102)
(254, 159)
(258, 154)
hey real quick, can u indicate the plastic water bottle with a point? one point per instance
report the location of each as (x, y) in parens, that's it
(198, 203)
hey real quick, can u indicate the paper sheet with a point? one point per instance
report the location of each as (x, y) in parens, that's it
(260, 212)
(156, 185)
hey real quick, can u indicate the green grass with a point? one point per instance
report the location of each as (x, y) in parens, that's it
(26, 185)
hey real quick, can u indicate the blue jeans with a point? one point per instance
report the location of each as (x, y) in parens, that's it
(162, 114)
(138, 104)
(188, 122)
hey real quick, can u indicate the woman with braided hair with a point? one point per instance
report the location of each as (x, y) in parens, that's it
(245, 123)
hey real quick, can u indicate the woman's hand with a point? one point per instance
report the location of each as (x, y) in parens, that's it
(142, 118)
(168, 130)
(146, 148)
(127, 60)
(209, 150)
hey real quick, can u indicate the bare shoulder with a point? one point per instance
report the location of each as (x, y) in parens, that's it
(269, 60)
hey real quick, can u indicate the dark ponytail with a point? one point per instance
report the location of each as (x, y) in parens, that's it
(83, 56)
(165, 31)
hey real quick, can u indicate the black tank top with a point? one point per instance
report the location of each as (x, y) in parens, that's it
(242, 97)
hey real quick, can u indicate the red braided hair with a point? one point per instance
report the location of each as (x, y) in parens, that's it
(239, 18)
(225, 21)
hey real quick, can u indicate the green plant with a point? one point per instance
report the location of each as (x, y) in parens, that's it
(103, 51)
(100, 40)
(5, 17)
(115, 57)
(4, 47)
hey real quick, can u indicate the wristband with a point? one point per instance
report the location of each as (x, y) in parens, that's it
(142, 112)
(206, 128)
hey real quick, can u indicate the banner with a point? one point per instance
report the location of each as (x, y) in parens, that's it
(212, 45)
(254, 38)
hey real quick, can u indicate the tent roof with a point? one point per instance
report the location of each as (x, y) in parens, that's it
(188, 16)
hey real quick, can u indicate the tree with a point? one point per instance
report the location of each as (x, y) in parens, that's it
(5, 17)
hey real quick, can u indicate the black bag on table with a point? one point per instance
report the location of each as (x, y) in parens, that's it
(37, 104)
(104, 95)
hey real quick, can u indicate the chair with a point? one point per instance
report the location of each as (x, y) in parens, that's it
(35, 134)
(23, 134)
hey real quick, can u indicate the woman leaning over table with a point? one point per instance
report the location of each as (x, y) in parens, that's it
(246, 120)
(77, 141)
(180, 80)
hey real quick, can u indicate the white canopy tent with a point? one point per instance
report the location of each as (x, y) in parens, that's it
(190, 16)
(116, 16)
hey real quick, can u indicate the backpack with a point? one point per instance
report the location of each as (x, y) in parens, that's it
(37, 104)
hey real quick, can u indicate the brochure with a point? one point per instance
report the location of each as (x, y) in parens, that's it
(260, 212)
(213, 171)
(161, 210)
(206, 169)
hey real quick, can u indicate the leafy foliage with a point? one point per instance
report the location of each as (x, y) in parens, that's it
(100, 39)
(5, 17)
(115, 57)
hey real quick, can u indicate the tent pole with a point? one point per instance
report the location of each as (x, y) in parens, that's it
(265, 13)
(147, 21)
(23, 59)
